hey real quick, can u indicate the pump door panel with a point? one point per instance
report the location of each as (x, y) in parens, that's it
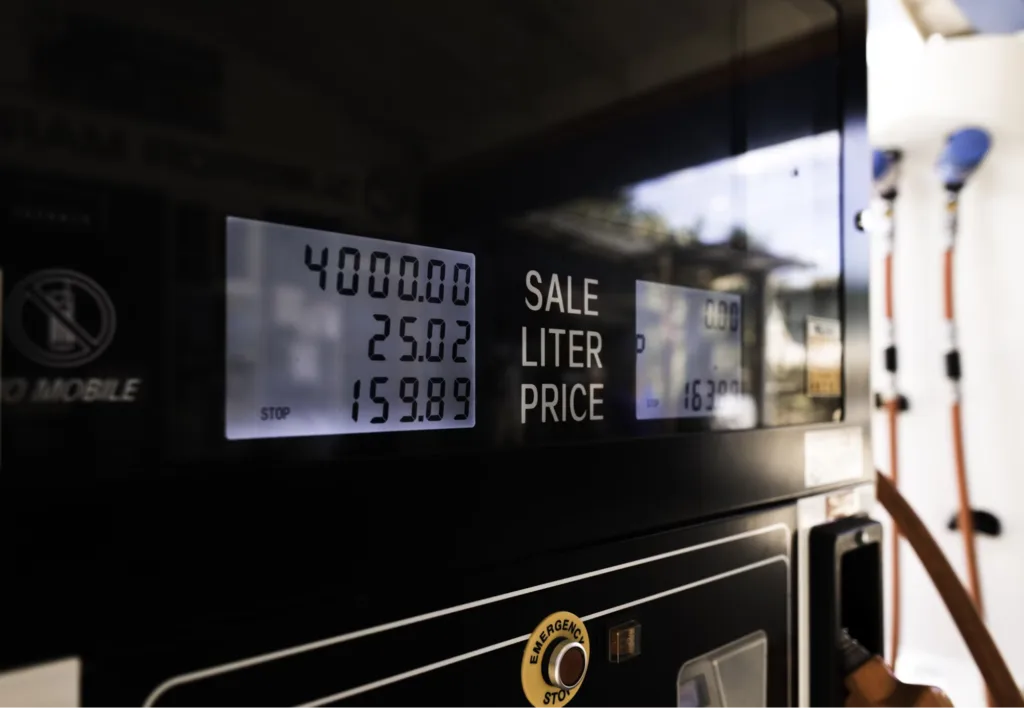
(662, 618)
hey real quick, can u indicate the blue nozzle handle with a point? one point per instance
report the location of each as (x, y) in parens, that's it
(885, 172)
(883, 162)
(964, 151)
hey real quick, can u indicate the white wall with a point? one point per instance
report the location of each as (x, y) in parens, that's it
(918, 93)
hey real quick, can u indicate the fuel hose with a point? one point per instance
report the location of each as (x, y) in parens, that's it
(964, 152)
(885, 177)
(993, 668)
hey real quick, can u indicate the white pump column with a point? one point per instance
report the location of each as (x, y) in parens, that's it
(919, 93)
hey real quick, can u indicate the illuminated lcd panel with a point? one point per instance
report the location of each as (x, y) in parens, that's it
(334, 334)
(689, 351)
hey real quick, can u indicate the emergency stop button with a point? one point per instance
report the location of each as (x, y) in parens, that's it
(567, 665)
(555, 660)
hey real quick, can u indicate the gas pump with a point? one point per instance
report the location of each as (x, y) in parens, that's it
(435, 353)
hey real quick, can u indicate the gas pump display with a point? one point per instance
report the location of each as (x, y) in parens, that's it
(406, 353)
(689, 351)
(342, 334)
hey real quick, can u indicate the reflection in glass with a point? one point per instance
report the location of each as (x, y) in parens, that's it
(764, 225)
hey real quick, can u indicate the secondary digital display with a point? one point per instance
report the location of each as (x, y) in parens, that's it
(689, 351)
(333, 334)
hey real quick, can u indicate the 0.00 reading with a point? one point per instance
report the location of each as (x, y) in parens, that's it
(720, 315)
(349, 263)
(700, 394)
(384, 390)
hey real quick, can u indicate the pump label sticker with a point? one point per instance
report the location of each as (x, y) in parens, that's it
(60, 318)
(824, 358)
(841, 504)
(832, 456)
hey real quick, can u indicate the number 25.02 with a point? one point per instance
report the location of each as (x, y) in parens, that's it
(435, 336)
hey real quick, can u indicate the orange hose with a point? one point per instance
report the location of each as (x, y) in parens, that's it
(1003, 689)
(966, 520)
(888, 286)
(964, 516)
(947, 283)
(892, 409)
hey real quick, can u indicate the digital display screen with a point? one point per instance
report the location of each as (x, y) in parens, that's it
(333, 334)
(689, 351)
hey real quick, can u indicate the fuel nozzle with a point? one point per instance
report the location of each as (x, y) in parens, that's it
(871, 682)
(964, 152)
(853, 654)
(885, 172)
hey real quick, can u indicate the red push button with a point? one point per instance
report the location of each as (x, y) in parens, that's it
(555, 660)
(567, 665)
